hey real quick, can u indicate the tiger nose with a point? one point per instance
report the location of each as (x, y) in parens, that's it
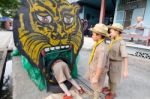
(59, 35)
(57, 19)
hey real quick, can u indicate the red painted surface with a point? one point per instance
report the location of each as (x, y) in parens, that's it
(102, 11)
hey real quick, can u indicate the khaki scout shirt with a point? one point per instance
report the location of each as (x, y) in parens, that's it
(100, 59)
(118, 51)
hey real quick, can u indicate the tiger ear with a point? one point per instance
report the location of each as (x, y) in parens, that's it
(76, 7)
(31, 2)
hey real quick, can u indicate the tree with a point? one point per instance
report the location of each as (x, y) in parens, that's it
(8, 8)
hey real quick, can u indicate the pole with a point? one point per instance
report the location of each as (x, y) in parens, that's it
(102, 11)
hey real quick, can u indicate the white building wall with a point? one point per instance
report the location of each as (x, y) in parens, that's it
(73, 0)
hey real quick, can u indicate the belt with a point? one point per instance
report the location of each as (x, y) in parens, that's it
(115, 60)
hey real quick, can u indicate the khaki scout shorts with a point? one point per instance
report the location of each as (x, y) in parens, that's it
(115, 71)
(61, 71)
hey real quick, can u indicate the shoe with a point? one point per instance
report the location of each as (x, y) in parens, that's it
(110, 96)
(105, 90)
(81, 91)
(67, 97)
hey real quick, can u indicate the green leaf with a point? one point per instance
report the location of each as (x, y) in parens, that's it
(8, 8)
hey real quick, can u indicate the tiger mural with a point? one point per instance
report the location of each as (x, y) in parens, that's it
(51, 27)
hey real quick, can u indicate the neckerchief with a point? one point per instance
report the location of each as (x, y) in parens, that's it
(113, 41)
(94, 48)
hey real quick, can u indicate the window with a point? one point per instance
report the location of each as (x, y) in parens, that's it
(131, 4)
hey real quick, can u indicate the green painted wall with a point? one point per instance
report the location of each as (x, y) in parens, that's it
(92, 15)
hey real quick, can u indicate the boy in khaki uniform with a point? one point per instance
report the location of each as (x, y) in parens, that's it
(98, 59)
(62, 73)
(117, 59)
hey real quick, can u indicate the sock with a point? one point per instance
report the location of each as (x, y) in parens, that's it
(65, 89)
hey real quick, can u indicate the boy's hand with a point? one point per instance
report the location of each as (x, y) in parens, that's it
(125, 74)
(94, 80)
(125, 71)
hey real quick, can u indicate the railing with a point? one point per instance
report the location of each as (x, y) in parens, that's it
(131, 34)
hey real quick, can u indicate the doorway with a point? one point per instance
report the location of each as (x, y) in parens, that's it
(128, 17)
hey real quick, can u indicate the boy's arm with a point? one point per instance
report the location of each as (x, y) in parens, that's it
(125, 67)
(98, 72)
(100, 65)
(124, 55)
(97, 75)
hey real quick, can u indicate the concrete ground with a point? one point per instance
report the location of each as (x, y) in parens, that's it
(136, 86)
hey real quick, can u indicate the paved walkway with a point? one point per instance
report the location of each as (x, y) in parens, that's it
(136, 86)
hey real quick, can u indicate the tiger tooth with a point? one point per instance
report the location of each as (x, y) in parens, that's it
(62, 47)
(67, 46)
(46, 49)
(52, 48)
(57, 47)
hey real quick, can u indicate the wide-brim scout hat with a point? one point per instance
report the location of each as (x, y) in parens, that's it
(100, 29)
(116, 26)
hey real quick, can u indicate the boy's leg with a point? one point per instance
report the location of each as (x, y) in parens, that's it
(99, 86)
(113, 87)
(96, 87)
(113, 82)
(65, 89)
(112, 92)
(115, 75)
(96, 95)
(69, 78)
(58, 70)
(75, 84)
(114, 79)
(72, 81)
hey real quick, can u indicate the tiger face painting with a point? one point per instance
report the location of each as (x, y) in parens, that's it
(47, 26)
